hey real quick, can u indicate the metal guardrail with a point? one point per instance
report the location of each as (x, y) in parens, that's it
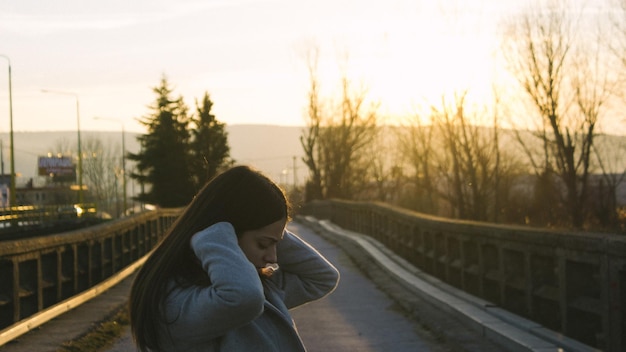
(34, 321)
(34, 215)
(571, 283)
(39, 272)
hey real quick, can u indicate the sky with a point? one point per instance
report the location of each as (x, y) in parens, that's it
(249, 55)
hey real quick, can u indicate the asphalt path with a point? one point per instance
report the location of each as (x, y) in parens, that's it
(357, 316)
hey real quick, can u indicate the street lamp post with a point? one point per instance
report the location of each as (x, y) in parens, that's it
(80, 154)
(123, 159)
(12, 185)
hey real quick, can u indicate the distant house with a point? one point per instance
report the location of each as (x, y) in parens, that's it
(47, 195)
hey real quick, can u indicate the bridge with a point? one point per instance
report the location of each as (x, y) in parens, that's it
(521, 288)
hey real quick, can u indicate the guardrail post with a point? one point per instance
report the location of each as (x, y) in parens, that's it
(7, 292)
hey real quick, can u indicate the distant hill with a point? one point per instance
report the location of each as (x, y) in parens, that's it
(269, 148)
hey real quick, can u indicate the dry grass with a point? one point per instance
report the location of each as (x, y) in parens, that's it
(100, 337)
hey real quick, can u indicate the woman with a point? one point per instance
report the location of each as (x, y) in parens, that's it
(207, 285)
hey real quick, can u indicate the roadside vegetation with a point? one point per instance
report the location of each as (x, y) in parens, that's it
(536, 156)
(102, 336)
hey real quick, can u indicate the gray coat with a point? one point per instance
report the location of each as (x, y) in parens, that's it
(239, 311)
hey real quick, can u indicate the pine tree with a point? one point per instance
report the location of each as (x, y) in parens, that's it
(209, 148)
(163, 163)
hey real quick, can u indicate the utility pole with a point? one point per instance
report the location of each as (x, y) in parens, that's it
(12, 191)
(295, 178)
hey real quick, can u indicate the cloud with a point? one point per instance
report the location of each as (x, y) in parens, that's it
(32, 20)
(38, 24)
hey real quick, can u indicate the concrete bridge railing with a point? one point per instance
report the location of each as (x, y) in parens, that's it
(572, 283)
(36, 273)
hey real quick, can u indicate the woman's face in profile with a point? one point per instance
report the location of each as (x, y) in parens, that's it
(259, 245)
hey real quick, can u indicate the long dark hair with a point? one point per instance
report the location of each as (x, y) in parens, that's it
(241, 196)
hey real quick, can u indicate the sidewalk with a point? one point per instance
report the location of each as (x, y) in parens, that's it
(357, 316)
(73, 324)
(460, 312)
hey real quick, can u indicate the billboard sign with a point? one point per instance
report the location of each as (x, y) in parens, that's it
(59, 168)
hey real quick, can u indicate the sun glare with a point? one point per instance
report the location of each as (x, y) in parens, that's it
(404, 68)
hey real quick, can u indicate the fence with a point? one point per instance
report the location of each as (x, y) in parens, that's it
(572, 283)
(39, 272)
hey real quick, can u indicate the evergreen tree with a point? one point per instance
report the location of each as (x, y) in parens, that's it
(163, 163)
(209, 148)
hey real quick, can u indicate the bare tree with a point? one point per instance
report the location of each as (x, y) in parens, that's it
(102, 174)
(457, 159)
(416, 144)
(336, 139)
(102, 171)
(545, 56)
(617, 44)
(384, 158)
(310, 137)
(471, 162)
(347, 132)
(609, 152)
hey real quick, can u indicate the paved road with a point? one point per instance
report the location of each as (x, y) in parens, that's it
(356, 317)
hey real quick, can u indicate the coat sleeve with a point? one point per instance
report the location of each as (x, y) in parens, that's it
(234, 298)
(304, 274)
